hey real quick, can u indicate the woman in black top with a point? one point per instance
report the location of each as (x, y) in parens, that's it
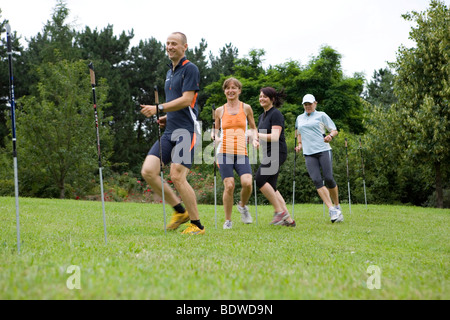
(271, 139)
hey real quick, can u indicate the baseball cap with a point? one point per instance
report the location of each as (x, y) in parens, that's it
(308, 98)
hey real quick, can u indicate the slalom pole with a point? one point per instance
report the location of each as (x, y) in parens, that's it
(13, 128)
(215, 169)
(364, 176)
(323, 181)
(323, 203)
(160, 156)
(348, 179)
(100, 167)
(293, 182)
(255, 159)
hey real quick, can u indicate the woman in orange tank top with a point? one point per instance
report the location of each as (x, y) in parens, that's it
(233, 118)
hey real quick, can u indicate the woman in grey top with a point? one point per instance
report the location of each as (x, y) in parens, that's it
(311, 128)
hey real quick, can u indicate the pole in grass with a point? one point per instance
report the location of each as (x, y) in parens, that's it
(160, 156)
(215, 169)
(12, 103)
(348, 179)
(293, 181)
(323, 203)
(255, 161)
(364, 176)
(100, 167)
(323, 181)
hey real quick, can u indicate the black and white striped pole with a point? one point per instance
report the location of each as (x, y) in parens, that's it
(13, 129)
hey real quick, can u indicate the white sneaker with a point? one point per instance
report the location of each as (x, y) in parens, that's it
(245, 214)
(335, 215)
(340, 217)
(228, 224)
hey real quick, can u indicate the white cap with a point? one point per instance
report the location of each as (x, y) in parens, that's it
(308, 98)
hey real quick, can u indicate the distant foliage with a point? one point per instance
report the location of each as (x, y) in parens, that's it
(402, 115)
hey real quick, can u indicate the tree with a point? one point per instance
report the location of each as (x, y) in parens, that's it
(4, 76)
(392, 175)
(250, 67)
(146, 69)
(249, 71)
(131, 74)
(112, 59)
(337, 95)
(197, 55)
(423, 91)
(380, 90)
(224, 63)
(56, 41)
(56, 130)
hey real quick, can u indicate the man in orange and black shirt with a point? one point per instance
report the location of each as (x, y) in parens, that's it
(178, 140)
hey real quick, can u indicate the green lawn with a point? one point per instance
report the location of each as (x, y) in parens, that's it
(315, 260)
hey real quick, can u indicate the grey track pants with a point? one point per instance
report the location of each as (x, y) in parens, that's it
(322, 160)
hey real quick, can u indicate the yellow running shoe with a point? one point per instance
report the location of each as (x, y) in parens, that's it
(177, 220)
(193, 230)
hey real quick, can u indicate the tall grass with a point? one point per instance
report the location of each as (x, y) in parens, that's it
(315, 260)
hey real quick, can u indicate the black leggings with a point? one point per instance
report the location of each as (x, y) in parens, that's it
(322, 160)
(268, 172)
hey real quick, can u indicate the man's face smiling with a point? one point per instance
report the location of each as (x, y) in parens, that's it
(175, 47)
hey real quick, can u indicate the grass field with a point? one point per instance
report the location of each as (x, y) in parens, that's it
(408, 247)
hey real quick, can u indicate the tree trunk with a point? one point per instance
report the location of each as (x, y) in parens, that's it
(439, 192)
(62, 191)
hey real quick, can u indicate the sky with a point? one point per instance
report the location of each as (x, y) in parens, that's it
(367, 33)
